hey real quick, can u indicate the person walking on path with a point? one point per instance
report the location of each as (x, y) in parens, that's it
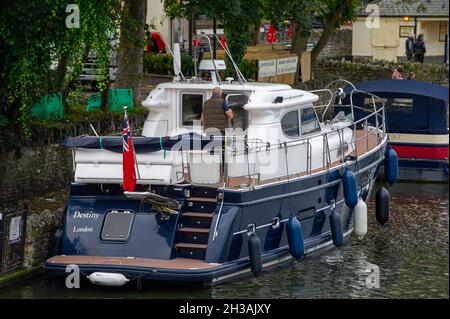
(409, 47)
(419, 49)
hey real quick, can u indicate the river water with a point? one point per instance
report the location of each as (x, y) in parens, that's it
(410, 254)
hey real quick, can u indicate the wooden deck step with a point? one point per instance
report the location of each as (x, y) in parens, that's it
(188, 245)
(176, 263)
(202, 199)
(194, 230)
(192, 214)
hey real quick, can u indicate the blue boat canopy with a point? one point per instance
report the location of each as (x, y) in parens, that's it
(411, 106)
(188, 141)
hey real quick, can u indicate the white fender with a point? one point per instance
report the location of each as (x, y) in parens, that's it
(108, 279)
(360, 219)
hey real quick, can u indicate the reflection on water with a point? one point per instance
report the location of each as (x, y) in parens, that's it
(411, 251)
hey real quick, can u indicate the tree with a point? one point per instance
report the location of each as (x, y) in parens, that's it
(334, 14)
(302, 13)
(41, 54)
(238, 18)
(132, 42)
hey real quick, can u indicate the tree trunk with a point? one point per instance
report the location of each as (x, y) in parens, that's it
(61, 71)
(298, 46)
(130, 53)
(255, 35)
(328, 30)
(105, 97)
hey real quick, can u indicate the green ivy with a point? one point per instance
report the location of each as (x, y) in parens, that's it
(40, 55)
(163, 64)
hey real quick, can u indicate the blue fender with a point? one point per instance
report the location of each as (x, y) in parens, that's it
(391, 166)
(350, 190)
(295, 237)
(254, 254)
(336, 229)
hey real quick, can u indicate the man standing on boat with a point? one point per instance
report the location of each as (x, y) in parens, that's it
(216, 112)
(215, 117)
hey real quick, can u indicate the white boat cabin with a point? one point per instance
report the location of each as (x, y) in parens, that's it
(275, 132)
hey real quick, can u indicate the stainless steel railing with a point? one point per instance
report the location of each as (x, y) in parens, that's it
(373, 123)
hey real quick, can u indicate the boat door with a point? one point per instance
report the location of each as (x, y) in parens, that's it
(236, 104)
(190, 110)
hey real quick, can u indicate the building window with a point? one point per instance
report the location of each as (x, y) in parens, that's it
(290, 125)
(406, 30)
(310, 124)
(192, 107)
(443, 30)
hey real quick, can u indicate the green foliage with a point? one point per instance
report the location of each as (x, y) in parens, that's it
(40, 55)
(163, 64)
(158, 64)
(249, 68)
(238, 18)
(302, 12)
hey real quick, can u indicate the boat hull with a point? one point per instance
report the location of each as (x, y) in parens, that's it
(310, 198)
(418, 170)
(230, 271)
(422, 162)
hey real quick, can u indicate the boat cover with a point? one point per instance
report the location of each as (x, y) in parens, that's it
(188, 141)
(428, 113)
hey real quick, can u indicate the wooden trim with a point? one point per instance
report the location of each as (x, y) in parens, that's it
(176, 263)
(194, 230)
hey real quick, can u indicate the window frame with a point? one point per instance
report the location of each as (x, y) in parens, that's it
(182, 104)
(291, 109)
(317, 132)
(246, 119)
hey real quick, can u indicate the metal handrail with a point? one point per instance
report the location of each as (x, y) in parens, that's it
(378, 111)
(210, 50)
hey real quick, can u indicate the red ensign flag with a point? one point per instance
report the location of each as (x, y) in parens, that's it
(129, 171)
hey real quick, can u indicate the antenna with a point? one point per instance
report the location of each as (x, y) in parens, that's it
(95, 132)
(171, 53)
(176, 59)
(228, 53)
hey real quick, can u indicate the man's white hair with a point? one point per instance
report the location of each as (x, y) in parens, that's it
(217, 92)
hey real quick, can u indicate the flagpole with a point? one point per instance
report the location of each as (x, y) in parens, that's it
(132, 145)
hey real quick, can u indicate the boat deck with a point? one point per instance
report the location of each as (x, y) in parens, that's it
(365, 142)
(176, 263)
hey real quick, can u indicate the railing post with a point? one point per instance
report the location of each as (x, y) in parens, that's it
(366, 124)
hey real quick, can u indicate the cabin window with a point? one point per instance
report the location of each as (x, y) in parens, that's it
(289, 124)
(399, 105)
(392, 105)
(192, 106)
(369, 103)
(236, 104)
(310, 124)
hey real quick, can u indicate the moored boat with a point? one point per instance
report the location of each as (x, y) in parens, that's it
(417, 125)
(280, 186)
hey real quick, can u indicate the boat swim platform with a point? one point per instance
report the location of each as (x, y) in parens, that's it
(175, 264)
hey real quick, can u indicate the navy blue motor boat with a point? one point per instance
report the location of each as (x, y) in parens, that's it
(283, 185)
(417, 125)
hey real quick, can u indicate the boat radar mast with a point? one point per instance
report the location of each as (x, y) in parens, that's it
(211, 65)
